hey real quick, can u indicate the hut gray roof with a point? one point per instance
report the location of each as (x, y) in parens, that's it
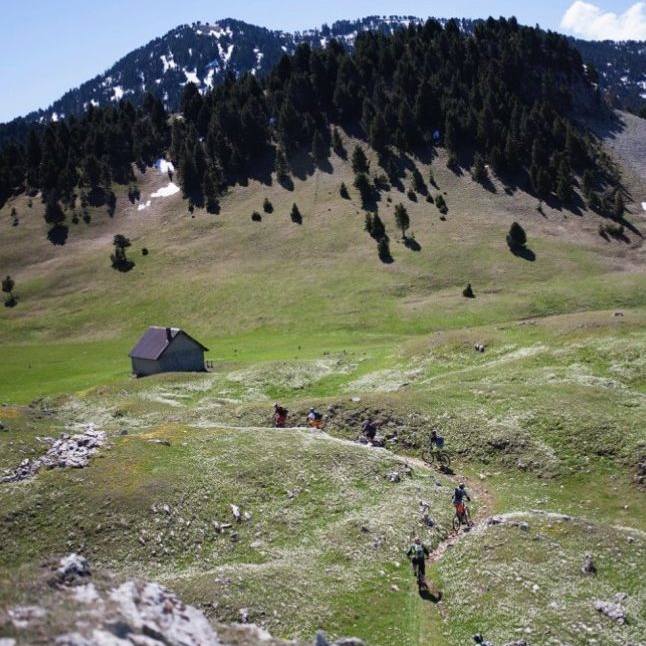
(155, 340)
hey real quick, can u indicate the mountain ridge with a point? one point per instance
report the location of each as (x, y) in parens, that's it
(204, 53)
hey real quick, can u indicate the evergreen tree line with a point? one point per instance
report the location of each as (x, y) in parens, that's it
(504, 92)
(89, 153)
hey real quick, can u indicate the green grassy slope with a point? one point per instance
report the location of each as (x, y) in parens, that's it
(550, 418)
(261, 290)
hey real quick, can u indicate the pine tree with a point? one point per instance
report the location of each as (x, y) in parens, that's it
(378, 133)
(295, 215)
(92, 172)
(516, 238)
(337, 143)
(8, 286)
(619, 207)
(359, 160)
(189, 178)
(402, 219)
(418, 182)
(210, 187)
(343, 191)
(378, 229)
(383, 247)
(267, 206)
(479, 170)
(367, 225)
(320, 149)
(541, 181)
(119, 258)
(362, 184)
(282, 169)
(594, 202)
(53, 212)
(587, 182)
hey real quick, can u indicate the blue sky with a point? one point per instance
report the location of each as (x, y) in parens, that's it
(50, 46)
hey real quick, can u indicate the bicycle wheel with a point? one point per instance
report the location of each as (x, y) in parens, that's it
(444, 459)
(428, 456)
(456, 523)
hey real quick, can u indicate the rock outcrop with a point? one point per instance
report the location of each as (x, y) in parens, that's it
(68, 451)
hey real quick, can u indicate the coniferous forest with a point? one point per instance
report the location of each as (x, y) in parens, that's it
(507, 95)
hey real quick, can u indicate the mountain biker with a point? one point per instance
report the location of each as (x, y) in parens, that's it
(314, 418)
(369, 429)
(280, 415)
(459, 494)
(417, 553)
(436, 440)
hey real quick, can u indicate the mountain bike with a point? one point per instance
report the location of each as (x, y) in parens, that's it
(461, 517)
(431, 455)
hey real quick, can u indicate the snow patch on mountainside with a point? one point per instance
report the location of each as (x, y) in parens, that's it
(166, 191)
(164, 166)
(191, 77)
(169, 63)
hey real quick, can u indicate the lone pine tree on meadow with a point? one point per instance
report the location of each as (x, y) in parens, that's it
(8, 286)
(402, 220)
(516, 238)
(53, 212)
(295, 214)
(119, 258)
(343, 191)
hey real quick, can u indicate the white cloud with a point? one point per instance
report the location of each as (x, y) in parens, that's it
(591, 22)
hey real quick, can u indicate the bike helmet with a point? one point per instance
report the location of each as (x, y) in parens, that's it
(462, 485)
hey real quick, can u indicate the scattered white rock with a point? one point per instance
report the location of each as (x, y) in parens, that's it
(72, 569)
(23, 616)
(588, 566)
(86, 594)
(612, 609)
(68, 451)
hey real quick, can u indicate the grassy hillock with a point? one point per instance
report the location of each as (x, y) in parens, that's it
(548, 420)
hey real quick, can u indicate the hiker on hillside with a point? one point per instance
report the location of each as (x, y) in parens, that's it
(418, 553)
(459, 495)
(314, 418)
(369, 429)
(280, 416)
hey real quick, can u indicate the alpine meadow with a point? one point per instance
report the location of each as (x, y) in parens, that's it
(331, 338)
